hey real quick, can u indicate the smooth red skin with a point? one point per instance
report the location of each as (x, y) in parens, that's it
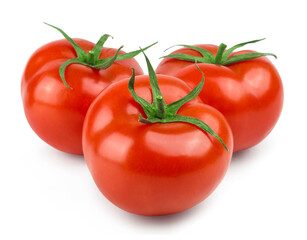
(153, 169)
(249, 93)
(55, 112)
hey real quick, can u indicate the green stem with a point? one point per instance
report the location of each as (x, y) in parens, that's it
(161, 106)
(219, 54)
(91, 57)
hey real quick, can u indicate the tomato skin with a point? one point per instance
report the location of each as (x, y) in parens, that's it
(153, 169)
(55, 112)
(249, 94)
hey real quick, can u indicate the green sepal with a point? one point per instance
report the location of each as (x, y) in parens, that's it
(160, 112)
(156, 92)
(107, 62)
(230, 50)
(246, 57)
(133, 53)
(146, 105)
(99, 45)
(80, 52)
(205, 53)
(199, 123)
(175, 106)
(185, 57)
(64, 66)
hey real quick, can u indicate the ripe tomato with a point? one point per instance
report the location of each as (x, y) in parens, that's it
(249, 93)
(56, 112)
(154, 168)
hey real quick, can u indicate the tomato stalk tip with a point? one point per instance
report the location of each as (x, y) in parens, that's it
(161, 107)
(91, 57)
(219, 54)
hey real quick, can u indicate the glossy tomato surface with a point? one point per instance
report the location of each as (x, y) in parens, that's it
(249, 93)
(153, 169)
(55, 112)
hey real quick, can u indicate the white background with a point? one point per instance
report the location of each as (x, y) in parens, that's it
(47, 194)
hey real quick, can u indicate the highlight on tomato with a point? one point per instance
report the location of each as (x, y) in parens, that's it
(244, 86)
(60, 81)
(155, 149)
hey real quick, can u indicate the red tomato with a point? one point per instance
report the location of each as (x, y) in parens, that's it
(248, 93)
(153, 169)
(55, 112)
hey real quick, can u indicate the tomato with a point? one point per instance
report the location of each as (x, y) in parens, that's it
(56, 112)
(154, 168)
(248, 92)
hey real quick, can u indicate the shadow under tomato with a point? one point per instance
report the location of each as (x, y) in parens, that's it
(167, 221)
(249, 156)
(243, 155)
(62, 157)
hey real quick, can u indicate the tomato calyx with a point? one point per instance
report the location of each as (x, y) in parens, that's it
(159, 111)
(222, 56)
(91, 59)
